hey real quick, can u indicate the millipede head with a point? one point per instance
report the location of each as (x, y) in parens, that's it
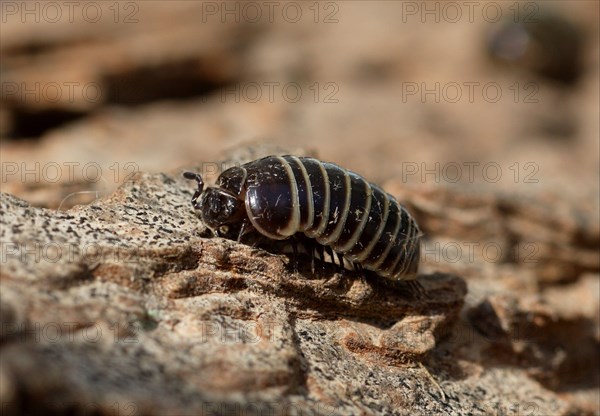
(220, 209)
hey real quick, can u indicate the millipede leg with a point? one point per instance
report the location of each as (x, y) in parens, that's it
(309, 247)
(244, 229)
(360, 271)
(418, 289)
(329, 251)
(259, 239)
(341, 260)
(320, 250)
(294, 243)
(413, 288)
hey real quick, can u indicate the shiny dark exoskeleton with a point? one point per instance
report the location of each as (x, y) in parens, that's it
(282, 196)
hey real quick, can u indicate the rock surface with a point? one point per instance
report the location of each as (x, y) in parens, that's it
(127, 289)
(114, 301)
(123, 303)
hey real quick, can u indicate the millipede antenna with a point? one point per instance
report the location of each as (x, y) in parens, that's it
(195, 177)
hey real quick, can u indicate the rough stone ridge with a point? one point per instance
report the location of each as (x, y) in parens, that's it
(124, 303)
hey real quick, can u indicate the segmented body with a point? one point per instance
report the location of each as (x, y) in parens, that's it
(285, 195)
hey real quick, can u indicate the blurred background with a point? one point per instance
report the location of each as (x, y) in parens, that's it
(499, 93)
(481, 116)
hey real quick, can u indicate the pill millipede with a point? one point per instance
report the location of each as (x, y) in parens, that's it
(305, 199)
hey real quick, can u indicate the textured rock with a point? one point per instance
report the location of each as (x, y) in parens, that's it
(124, 306)
(124, 299)
(135, 63)
(558, 350)
(544, 233)
(124, 303)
